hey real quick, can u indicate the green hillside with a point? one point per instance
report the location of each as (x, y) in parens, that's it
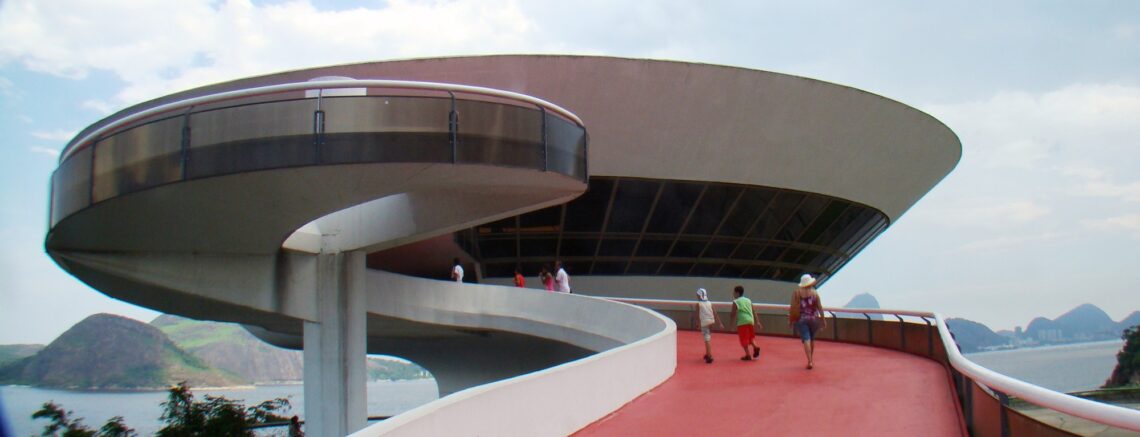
(230, 347)
(105, 351)
(13, 352)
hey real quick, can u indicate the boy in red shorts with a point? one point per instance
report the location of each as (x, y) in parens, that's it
(746, 323)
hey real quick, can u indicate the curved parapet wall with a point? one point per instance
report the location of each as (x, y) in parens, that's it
(638, 352)
(489, 332)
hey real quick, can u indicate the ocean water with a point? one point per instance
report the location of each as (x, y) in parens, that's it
(1064, 368)
(141, 410)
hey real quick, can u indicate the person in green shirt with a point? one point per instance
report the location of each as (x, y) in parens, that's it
(746, 323)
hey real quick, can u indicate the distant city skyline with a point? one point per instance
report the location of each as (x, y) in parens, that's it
(1041, 215)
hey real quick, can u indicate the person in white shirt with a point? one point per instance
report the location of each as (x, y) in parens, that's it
(708, 317)
(457, 272)
(561, 279)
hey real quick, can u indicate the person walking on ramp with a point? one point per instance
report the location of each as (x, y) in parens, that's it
(805, 314)
(708, 317)
(746, 323)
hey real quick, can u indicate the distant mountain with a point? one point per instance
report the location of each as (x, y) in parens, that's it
(13, 352)
(1130, 321)
(106, 351)
(1086, 322)
(972, 336)
(230, 347)
(865, 300)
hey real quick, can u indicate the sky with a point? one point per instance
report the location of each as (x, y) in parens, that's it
(1041, 215)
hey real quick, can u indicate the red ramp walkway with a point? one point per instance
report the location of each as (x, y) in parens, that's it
(853, 390)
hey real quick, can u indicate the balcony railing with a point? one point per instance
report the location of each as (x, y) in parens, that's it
(982, 393)
(324, 122)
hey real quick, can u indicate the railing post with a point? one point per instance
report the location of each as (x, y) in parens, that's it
(834, 326)
(545, 144)
(453, 128)
(870, 330)
(1004, 408)
(929, 338)
(902, 333)
(318, 129)
(185, 146)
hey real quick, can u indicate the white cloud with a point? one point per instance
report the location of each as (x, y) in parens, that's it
(1008, 241)
(996, 214)
(54, 153)
(194, 43)
(1124, 31)
(100, 106)
(55, 135)
(1015, 129)
(7, 88)
(1129, 224)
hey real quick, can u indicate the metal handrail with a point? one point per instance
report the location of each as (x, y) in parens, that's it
(331, 84)
(1107, 414)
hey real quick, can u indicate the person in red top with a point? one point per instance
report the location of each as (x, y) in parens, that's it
(520, 281)
(546, 278)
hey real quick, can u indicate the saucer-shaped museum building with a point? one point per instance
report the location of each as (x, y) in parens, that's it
(320, 208)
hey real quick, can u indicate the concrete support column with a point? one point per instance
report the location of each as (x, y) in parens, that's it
(335, 354)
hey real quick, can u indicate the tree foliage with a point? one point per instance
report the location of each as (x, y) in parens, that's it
(1127, 369)
(215, 415)
(61, 423)
(183, 415)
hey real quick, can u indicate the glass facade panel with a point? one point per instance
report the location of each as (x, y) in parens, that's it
(566, 147)
(540, 247)
(654, 247)
(712, 209)
(643, 268)
(254, 137)
(585, 214)
(608, 268)
(794, 232)
(803, 216)
(747, 251)
(616, 247)
(718, 250)
(498, 248)
(631, 204)
(578, 247)
(704, 269)
(141, 157)
(677, 199)
(687, 249)
(543, 220)
(675, 269)
(71, 185)
(773, 218)
(386, 129)
(730, 271)
(750, 206)
(495, 133)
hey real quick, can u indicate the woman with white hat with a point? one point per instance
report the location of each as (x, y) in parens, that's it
(805, 314)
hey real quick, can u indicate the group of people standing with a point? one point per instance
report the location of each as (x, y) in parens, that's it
(805, 316)
(558, 281)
